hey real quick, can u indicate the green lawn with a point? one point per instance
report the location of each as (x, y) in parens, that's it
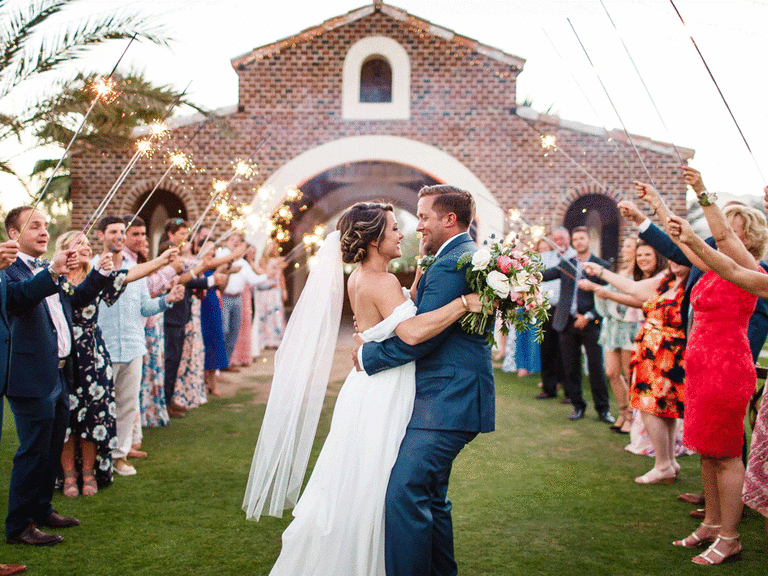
(541, 495)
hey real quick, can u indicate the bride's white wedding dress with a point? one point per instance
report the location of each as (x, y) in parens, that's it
(338, 526)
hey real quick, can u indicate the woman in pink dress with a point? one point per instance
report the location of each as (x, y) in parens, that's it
(720, 372)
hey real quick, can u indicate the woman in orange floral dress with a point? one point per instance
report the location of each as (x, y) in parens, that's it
(657, 370)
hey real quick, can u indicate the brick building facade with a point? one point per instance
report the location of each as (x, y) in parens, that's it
(434, 107)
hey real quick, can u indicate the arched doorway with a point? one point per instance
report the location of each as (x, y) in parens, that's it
(328, 194)
(161, 206)
(600, 215)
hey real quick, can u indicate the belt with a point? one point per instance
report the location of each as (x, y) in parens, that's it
(62, 362)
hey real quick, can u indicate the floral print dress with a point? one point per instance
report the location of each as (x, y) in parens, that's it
(92, 404)
(190, 386)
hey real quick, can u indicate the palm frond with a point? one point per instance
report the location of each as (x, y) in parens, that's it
(19, 26)
(73, 43)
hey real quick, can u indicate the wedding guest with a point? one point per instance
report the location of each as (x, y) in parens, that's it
(657, 369)
(718, 392)
(178, 316)
(231, 298)
(270, 301)
(17, 295)
(43, 365)
(152, 409)
(243, 353)
(210, 312)
(190, 382)
(552, 371)
(123, 331)
(91, 434)
(578, 324)
(755, 491)
(622, 322)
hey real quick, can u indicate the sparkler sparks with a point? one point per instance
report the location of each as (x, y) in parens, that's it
(105, 89)
(514, 215)
(245, 169)
(548, 142)
(158, 130)
(219, 186)
(180, 160)
(145, 147)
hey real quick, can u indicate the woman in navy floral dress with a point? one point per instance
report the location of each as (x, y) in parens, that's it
(92, 435)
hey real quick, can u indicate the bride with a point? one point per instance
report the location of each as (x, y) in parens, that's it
(338, 525)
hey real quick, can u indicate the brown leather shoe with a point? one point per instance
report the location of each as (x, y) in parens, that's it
(231, 369)
(11, 569)
(55, 520)
(34, 537)
(132, 453)
(175, 414)
(698, 513)
(688, 498)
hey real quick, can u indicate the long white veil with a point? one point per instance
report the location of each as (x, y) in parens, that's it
(302, 367)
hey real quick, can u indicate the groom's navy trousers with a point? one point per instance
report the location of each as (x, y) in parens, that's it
(455, 400)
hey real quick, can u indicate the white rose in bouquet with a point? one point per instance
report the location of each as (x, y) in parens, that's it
(522, 282)
(481, 259)
(499, 283)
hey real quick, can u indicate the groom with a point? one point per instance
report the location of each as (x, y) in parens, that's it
(455, 396)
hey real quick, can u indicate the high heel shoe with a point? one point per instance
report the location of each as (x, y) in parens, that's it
(697, 540)
(705, 558)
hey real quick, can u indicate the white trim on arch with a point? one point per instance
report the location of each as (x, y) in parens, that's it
(397, 58)
(440, 165)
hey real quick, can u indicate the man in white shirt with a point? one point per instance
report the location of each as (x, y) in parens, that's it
(231, 300)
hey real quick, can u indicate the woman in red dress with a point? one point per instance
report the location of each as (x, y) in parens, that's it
(720, 372)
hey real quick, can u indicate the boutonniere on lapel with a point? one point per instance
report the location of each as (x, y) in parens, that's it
(65, 286)
(425, 262)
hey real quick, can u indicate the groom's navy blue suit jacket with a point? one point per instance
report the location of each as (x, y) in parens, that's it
(454, 378)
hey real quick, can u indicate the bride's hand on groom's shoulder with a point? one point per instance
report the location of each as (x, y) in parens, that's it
(358, 342)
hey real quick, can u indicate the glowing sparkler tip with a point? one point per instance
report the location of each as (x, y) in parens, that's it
(548, 141)
(158, 129)
(180, 160)
(514, 215)
(219, 186)
(145, 146)
(245, 169)
(293, 194)
(105, 89)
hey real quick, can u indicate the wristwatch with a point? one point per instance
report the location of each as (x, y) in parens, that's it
(707, 198)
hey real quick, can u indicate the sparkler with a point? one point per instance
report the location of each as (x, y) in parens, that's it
(220, 187)
(721, 95)
(594, 110)
(647, 91)
(176, 159)
(626, 132)
(104, 90)
(516, 215)
(158, 129)
(549, 142)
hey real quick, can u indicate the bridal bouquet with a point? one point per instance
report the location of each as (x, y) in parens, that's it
(508, 277)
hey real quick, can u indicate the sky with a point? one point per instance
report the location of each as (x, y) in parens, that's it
(208, 34)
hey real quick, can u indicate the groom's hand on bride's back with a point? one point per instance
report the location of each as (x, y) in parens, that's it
(358, 342)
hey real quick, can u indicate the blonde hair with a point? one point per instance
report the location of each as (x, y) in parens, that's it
(755, 228)
(65, 241)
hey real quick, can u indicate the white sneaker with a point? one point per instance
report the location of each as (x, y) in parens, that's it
(123, 467)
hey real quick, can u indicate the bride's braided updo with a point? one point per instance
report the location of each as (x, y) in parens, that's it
(362, 224)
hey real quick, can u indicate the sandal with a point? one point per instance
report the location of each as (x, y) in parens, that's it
(90, 488)
(705, 560)
(70, 489)
(697, 541)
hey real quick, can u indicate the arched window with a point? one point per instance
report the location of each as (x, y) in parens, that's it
(376, 80)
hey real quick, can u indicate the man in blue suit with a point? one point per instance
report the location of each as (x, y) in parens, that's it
(43, 364)
(455, 396)
(13, 298)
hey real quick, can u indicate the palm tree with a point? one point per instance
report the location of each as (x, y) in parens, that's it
(29, 50)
